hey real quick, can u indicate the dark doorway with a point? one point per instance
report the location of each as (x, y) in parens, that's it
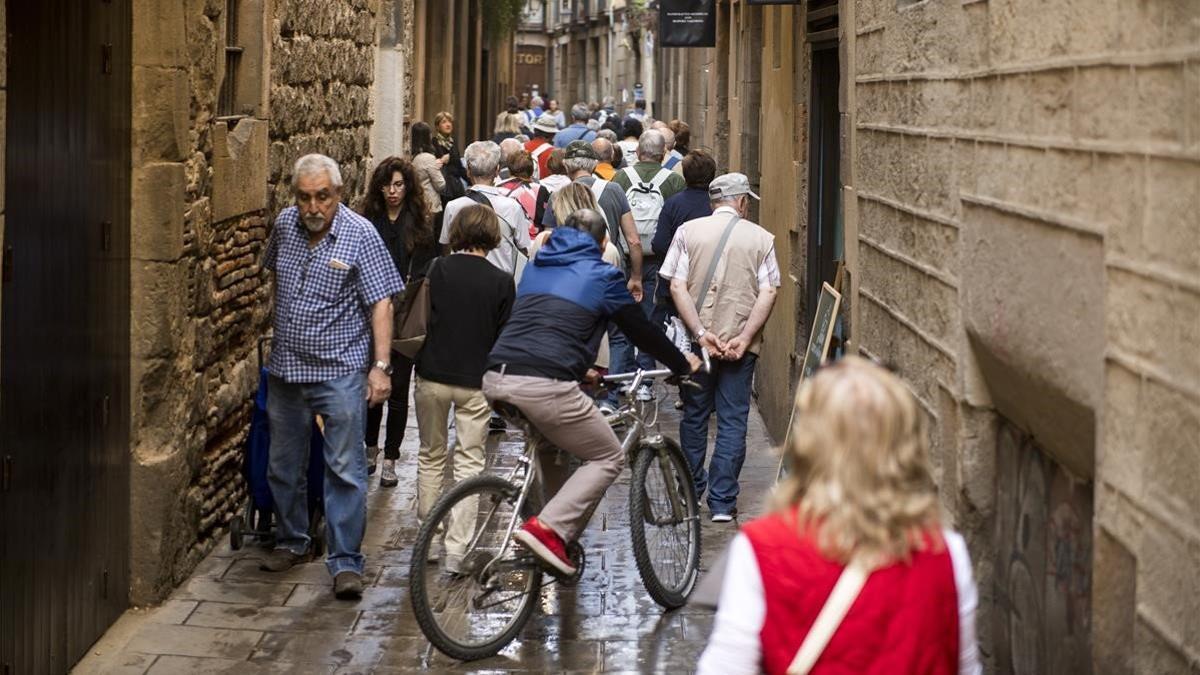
(64, 332)
(824, 155)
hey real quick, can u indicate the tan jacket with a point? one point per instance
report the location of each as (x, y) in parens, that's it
(429, 172)
(734, 287)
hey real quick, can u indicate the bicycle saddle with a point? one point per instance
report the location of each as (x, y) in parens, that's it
(508, 410)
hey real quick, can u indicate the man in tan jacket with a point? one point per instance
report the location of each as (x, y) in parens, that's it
(724, 277)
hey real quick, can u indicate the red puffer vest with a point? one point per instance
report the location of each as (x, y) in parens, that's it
(905, 620)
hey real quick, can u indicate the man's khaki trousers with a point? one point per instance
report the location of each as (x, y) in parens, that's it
(471, 414)
(571, 421)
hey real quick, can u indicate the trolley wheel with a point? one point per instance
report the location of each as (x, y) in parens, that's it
(236, 525)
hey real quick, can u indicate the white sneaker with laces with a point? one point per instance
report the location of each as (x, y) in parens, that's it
(645, 392)
(388, 477)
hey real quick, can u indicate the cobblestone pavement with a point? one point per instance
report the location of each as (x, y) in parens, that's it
(229, 617)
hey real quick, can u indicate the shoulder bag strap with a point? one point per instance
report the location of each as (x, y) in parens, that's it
(712, 266)
(632, 174)
(845, 591)
(659, 178)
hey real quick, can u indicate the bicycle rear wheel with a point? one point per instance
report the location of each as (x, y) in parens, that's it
(665, 523)
(468, 602)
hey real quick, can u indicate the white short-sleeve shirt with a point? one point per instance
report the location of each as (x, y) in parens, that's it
(514, 225)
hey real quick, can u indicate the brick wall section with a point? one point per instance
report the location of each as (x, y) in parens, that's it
(1027, 180)
(203, 199)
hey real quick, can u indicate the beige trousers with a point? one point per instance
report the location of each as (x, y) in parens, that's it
(571, 421)
(471, 414)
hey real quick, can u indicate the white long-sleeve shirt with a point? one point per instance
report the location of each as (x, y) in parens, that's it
(734, 647)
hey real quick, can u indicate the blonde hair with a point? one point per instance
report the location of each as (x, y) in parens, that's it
(442, 117)
(508, 123)
(571, 198)
(859, 471)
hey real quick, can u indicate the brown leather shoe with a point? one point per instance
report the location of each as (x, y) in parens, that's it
(348, 585)
(282, 560)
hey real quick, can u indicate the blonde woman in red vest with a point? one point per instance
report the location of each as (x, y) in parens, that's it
(859, 512)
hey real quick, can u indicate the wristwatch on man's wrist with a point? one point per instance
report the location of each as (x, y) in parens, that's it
(384, 366)
(699, 334)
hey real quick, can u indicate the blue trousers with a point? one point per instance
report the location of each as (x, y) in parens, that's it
(290, 409)
(728, 388)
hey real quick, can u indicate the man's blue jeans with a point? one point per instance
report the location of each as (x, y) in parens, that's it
(728, 386)
(290, 410)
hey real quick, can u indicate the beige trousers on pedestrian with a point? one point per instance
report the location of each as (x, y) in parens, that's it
(471, 414)
(571, 421)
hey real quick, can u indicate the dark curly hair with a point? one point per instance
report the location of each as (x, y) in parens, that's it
(375, 207)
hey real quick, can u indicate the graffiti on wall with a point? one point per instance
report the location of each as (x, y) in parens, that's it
(1044, 554)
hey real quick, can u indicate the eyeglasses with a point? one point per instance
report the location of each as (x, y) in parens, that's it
(394, 187)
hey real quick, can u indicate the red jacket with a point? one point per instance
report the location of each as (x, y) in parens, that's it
(905, 619)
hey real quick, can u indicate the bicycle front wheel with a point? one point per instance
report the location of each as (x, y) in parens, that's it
(468, 599)
(665, 523)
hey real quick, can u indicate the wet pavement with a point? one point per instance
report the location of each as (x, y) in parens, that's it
(230, 617)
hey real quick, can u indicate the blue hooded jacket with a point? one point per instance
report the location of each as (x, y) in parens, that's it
(565, 300)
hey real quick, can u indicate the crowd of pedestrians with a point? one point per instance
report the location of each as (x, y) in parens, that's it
(563, 244)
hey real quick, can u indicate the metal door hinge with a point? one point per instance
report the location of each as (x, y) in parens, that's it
(6, 474)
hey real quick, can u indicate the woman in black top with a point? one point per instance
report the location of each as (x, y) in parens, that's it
(444, 144)
(395, 205)
(469, 301)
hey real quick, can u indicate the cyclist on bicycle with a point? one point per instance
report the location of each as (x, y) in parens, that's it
(565, 300)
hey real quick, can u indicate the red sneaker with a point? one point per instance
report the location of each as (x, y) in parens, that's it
(545, 544)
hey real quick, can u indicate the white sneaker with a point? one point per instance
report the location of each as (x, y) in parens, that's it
(645, 392)
(372, 456)
(388, 477)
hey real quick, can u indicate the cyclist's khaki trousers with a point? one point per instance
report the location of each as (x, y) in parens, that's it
(571, 421)
(471, 414)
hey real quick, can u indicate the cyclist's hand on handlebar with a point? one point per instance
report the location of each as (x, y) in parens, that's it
(592, 377)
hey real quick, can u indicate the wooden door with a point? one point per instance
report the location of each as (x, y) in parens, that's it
(64, 332)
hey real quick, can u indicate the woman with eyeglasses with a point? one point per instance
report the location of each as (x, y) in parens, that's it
(395, 205)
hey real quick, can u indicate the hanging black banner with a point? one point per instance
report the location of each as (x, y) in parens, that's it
(687, 23)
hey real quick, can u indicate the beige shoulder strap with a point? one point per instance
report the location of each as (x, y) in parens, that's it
(845, 591)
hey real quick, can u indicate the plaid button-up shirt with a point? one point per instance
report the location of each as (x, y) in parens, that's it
(324, 295)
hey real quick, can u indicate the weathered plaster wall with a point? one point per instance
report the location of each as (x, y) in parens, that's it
(204, 194)
(745, 101)
(1025, 186)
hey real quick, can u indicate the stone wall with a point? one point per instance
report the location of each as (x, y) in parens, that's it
(1024, 189)
(205, 191)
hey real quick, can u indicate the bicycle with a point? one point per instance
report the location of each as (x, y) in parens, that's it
(472, 605)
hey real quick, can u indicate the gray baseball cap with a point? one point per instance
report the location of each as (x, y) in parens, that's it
(730, 185)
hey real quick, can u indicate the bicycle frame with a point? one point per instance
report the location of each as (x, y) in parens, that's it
(628, 414)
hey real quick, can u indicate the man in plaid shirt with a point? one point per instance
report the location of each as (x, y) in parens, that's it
(334, 280)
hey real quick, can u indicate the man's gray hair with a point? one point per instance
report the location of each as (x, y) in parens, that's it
(604, 147)
(536, 102)
(668, 138)
(579, 164)
(507, 147)
(311, 165)
(483, 158)
(608, 134)
(651, 146)
(580, 112)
